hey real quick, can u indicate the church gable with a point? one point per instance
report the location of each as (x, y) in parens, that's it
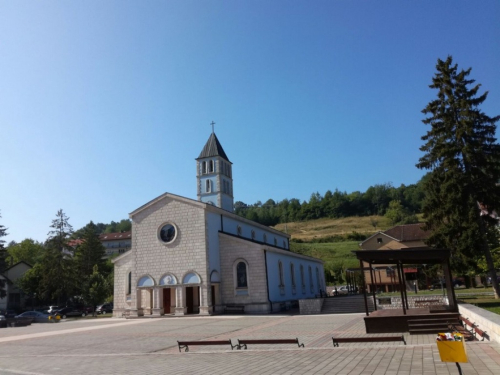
(169, 237)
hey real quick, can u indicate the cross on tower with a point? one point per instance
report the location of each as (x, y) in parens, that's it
(212, 123)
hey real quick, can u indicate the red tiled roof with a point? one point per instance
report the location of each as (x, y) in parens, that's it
(409, 232)
(115, 236)
(74, 243)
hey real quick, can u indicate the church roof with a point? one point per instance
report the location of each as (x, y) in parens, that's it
(212, 148)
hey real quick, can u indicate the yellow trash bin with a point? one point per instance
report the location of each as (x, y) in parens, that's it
(452, 351)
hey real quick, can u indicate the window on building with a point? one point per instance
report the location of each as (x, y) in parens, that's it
(129, 283)
(317, 278)
(204, 167)
(238, 230)
(253, 234)
(311, 281)
(302, 279)
(241, 275)
(280, 270)
(284, 244)
(208, 186)
(211, 166)
(292, 271)
(379, 240)
(275, 242)
(265, 238)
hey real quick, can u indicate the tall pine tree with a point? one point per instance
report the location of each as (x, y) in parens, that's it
(89, 253)
(59, 279)
(463, 157)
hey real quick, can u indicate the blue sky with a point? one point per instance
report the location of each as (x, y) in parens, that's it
(104, 105)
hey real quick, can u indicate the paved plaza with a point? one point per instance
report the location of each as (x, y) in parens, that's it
(149, 346)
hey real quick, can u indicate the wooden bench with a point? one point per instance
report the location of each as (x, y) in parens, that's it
(474, 328)
(481, 333)
(244, 343)
(468, 335)
(234, 308)
(337, 340)
(185, 344)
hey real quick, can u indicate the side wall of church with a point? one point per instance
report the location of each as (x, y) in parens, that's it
(232, 251)
(213, 227)
(121, 300)
(293, 287)
(187, 253)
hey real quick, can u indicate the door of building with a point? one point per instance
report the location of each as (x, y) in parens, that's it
(189, 300)
(166, 300)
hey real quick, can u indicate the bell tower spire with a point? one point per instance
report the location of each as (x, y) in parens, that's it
(214, 175)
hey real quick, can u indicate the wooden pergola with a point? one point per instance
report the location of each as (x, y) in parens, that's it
(398, 258)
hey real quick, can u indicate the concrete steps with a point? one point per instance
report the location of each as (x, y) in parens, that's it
(346, 305)
(433, 325)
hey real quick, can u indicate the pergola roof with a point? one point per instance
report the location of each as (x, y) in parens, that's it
(415, 255)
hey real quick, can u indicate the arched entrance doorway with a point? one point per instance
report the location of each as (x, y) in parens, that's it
(168, 283)
(192, 283)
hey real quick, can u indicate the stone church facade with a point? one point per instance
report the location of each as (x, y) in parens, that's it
(198, 257)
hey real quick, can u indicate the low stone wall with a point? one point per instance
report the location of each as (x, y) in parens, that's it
(311, 306)
(485, 320)
(413, 302)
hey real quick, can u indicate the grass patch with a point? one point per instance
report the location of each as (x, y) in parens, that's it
(320, 228)
(338, 253)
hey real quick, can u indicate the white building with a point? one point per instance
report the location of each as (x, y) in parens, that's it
(198, 257)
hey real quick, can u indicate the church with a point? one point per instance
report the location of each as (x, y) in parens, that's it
(198, 257)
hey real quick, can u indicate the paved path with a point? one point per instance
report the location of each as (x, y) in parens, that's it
(149, 346)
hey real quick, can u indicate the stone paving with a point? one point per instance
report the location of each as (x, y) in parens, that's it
(149, 346)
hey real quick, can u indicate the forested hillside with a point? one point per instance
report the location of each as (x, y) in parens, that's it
(399, 205)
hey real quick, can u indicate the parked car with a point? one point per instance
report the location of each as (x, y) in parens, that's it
(38, 317)
(343, 290)
(70, 311)
(104, 308)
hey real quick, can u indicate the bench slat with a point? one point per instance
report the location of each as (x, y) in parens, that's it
(244, 343)
(185, 344)
(337, 340)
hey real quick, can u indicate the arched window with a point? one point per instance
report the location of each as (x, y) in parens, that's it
(210, 166)
(204, 167)
(241, 275)
(311, 281)
(208, 187)
(292, 271)
(280, 269)
(145, 281)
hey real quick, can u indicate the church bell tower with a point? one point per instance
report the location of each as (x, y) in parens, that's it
(214, 175)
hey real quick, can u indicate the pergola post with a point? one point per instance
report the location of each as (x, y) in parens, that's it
(364, 286)
(450, 291)
(374, 287)
(401, 289)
